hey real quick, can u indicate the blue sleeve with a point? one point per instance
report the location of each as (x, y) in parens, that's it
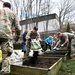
(46, 40)
(49, 41)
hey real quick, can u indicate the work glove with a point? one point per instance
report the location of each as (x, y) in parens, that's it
(54, 48)
(39, 39)
(47, 43)
(62, 45)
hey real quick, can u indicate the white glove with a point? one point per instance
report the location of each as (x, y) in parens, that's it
(62, 45)
(39, 39)
(47, 43)
(54, 48)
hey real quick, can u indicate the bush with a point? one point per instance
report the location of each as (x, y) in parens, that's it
(68, 27)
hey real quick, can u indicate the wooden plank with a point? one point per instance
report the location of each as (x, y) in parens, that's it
(28, 70)
(55, 67)
(39, 19)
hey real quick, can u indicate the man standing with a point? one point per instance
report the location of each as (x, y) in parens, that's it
(33, 34)
(8, 19)
(65, 40)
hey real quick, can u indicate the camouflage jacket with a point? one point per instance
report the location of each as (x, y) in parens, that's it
(31, 35)
(6, 65)
(8, 19)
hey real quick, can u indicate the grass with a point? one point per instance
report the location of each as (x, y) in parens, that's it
(67, 68)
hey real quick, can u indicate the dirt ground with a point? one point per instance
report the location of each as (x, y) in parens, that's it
(41, 63)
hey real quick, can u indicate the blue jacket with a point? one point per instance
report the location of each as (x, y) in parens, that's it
(24, 36)
(49, 41)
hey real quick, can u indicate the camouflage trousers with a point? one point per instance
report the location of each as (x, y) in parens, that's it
(73, 45)
(6, 47)
(28, 45)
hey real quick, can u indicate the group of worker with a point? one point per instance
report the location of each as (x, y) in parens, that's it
(60, 40)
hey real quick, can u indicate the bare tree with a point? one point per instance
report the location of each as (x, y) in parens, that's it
(11, 5)
(15, 6)
(25, 9)
(41, 6)
(49, 6)
(16, 3)
(65, 7)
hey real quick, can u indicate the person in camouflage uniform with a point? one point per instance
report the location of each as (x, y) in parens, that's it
(65, 40)
(33, 34)
(73, 43)
(8, 19)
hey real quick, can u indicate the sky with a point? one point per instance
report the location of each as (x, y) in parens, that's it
(54, 11)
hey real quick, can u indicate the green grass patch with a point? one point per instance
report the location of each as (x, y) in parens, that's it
(67, 68)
